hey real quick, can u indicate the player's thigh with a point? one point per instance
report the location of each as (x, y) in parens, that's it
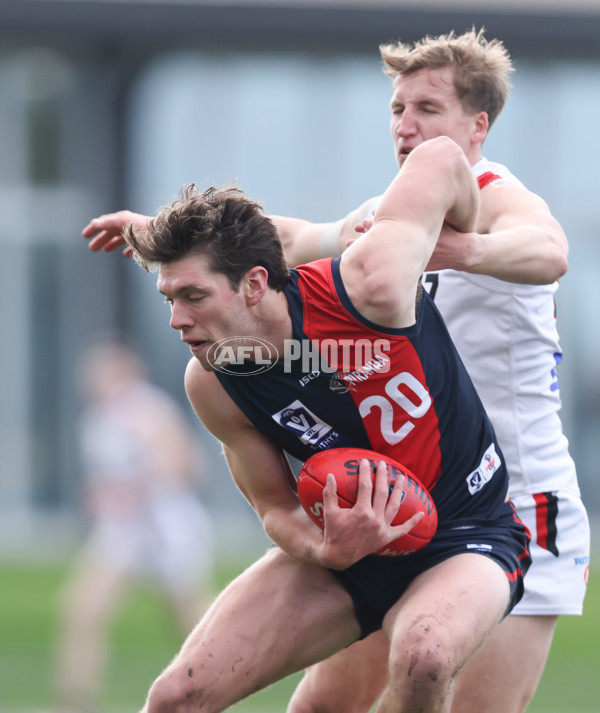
(446, 612)
(503, 675)
(277, 617)
(348, 681)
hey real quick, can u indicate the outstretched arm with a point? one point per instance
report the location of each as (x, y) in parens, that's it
(302, 240)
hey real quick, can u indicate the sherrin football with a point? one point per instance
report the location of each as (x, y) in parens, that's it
(343, 463)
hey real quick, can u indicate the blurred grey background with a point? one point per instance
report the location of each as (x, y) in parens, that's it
(115, 104)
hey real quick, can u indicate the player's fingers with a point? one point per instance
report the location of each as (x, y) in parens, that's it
(381, 491)
(396, 497)
(365, 483)
(330, 500)
(107, 242)
(90, 230)
(99, 241)
(103, 224)
(399, 530)
(117, 241)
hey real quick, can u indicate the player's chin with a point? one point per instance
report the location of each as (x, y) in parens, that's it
(205, 363)
(201, 355)
(201, 352)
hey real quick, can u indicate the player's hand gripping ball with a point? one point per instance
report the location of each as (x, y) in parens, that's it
(343, 463)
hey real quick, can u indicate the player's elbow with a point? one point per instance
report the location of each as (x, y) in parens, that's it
(556, 255)
(462, 194)
(559, 264)
(387, 292)
(555, 262)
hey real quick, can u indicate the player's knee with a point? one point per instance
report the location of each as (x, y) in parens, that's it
(316, 694)
(320, 705)
(308, 699)
(160, 696)
(172, 692)
(422, 667)
(300, 705)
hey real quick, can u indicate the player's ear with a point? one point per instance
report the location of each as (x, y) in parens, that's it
(480, 127)
(254, 284)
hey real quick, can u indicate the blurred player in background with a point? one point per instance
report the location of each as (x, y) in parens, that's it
(141, 468)
(498, 302)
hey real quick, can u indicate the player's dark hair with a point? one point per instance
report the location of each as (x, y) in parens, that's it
(221, 223)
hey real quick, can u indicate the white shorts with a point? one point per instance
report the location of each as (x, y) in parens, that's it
(560, 554)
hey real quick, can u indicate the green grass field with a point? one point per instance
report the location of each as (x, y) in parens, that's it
(144, 642)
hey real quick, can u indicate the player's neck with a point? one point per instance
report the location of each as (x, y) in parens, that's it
(273, 320)
(474, 154)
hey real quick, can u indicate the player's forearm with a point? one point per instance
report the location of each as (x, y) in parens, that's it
(294, 532)
(525, 254)
(304, 241)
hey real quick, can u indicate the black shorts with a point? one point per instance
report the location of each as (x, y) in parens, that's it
(376, 583)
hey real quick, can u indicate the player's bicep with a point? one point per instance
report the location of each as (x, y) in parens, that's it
(262, 472)
(260, 469)
(514, 207)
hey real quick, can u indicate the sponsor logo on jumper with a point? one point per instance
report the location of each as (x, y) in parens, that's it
(338, 387)
(488, 466)
(380, 363)
(304, 380)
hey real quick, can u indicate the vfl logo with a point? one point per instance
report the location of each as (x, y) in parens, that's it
(309, 428)
(488, 466)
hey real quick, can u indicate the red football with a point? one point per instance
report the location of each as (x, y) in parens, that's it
(343, 463)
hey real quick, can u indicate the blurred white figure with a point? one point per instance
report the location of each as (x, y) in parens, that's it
(141, 463)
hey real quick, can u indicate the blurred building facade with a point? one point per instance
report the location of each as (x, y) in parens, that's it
(106, 105)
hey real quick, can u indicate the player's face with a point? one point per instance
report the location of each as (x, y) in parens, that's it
(424, 106)
(204, 306)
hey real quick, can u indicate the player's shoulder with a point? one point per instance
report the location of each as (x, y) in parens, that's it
(492, 173)
(200, 383)
(503, 196)
(211, 402)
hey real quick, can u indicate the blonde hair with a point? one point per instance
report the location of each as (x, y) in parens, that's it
(481, 67)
